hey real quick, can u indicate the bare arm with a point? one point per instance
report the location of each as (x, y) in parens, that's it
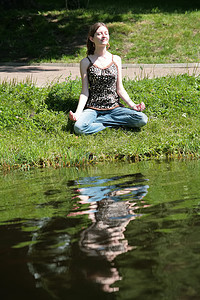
(121, 90)
(84, 92)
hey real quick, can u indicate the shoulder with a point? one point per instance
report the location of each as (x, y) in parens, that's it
(117, 59)
(84, 63)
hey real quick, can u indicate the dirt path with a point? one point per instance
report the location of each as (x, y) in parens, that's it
(44, 74)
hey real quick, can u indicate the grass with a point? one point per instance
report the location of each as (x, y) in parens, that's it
(35, 130)
(141, 32)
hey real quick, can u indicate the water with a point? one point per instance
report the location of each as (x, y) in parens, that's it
(116, 231)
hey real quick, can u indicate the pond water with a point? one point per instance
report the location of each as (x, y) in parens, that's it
(112, 231)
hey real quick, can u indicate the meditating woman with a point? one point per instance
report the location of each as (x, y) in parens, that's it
(99, 102)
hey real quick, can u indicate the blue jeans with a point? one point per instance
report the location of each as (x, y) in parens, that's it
(92, 121)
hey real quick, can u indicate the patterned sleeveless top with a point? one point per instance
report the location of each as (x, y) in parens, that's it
(102, 87)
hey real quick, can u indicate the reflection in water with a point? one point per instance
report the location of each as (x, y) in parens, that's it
(110, 204)
(87, 239)
(110, 214)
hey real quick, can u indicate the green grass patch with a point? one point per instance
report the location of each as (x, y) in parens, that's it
(141, 32)
(35, 130)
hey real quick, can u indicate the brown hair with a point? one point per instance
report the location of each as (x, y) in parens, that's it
(91, 33)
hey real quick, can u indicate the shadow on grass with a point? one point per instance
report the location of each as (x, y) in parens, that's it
(42, 33)
(29, 36)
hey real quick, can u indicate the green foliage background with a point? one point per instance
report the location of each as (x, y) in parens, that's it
(141, 31)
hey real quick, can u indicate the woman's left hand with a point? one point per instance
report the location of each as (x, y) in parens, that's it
(139, 107)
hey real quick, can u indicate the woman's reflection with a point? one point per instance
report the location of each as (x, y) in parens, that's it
(110, 213)
(60, 257)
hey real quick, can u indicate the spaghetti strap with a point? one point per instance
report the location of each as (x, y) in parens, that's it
(89, 59)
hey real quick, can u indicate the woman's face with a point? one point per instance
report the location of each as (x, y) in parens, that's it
(101, 36)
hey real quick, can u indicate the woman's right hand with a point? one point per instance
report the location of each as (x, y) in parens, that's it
(72, 116)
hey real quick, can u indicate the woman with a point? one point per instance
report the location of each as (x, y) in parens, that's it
(99, 103)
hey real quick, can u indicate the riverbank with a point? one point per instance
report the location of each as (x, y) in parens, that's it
(36, 132)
